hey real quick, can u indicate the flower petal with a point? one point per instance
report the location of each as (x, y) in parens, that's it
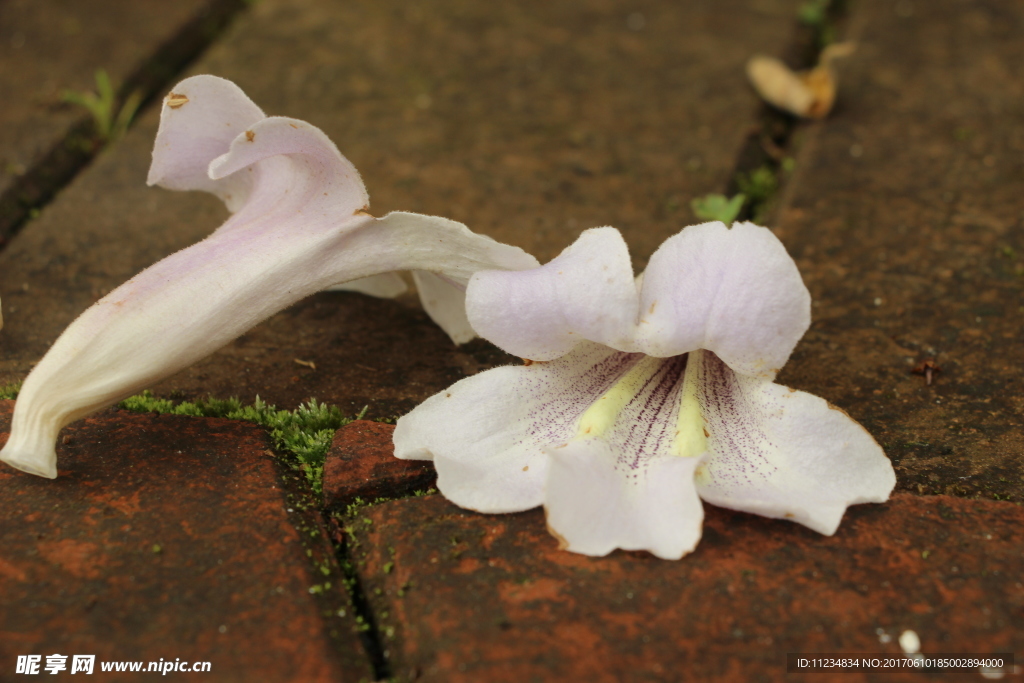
(199, 120)
(445, 303)
(485, 461)
(383, 286)
(783, 453)
(594, 505)
(586, 293)
(413, 241)
(597, 436)
(487, 434)
(297, 234)
(733, 291)
(301, 166)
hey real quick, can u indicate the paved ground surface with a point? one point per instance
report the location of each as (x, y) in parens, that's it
(173, 537)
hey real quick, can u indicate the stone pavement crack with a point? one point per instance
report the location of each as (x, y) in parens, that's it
(300, 471)
(365, 619)
(69, 155)
(333, 594)
(764, 159)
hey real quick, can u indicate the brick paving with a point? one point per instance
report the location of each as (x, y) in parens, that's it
(48, 47)
(362, 464)
(170, 537)
(906, 218)
(469, 597)
(530, 122)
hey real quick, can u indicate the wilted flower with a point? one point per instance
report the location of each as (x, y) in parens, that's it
(300, 224)
(643, 397)
(809, 94)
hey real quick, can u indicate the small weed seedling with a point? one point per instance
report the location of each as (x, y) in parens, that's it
(716, 207)
(111, 122)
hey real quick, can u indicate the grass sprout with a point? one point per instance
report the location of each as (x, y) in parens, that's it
(110, 120)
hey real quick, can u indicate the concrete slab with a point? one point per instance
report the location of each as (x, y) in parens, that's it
(906, 217)
(529, 122)
(167, 537)
(461, 596)
(49, 46)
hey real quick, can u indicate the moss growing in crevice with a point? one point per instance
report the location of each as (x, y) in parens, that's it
(9, 391)
(304, 434)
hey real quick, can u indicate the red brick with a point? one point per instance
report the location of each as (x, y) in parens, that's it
(362, 463)
(471, 597)
(167, 537)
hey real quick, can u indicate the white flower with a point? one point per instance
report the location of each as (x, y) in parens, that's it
(655, 393)
(299, 225)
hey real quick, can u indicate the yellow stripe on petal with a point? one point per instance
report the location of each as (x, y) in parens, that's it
(692, 438)
(600, 417)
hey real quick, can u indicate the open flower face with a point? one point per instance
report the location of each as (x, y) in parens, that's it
(299, 225)
(646, 396)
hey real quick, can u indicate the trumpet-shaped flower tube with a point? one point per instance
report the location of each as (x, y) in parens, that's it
(299, 225)
(645, 397)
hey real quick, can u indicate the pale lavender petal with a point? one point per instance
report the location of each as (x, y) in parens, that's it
(301, 230)
(487, 434)
(586, 293)
(595, 505)
(595, 436)
(199, 120)
(733, 291)
(783, 453)
(445, 303)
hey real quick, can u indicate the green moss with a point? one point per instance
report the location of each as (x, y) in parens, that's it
(304, 433)
(10, 391)
(759, 186)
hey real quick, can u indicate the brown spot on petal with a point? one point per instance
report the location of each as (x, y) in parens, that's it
(525, 468)
(706, 434)
(250, 136)
(651, 309)
(176, 100)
